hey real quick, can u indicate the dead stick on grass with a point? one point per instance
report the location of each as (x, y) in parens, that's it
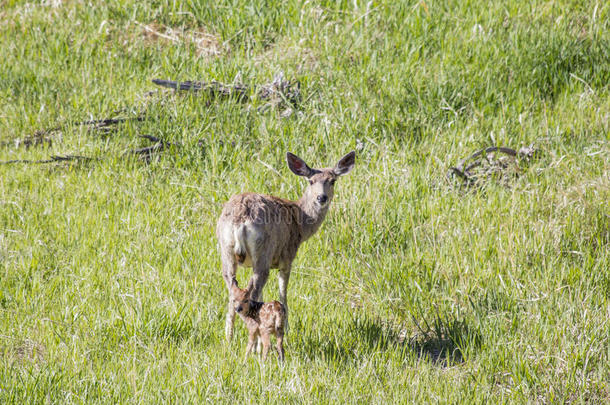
(57, 158)
(463, 173)
(39, 136)
(146, 153)
(214, 88)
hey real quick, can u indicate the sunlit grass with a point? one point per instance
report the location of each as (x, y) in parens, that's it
(414, 290)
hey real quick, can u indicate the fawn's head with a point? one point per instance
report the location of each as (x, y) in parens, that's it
(321, 181)
(240, 298)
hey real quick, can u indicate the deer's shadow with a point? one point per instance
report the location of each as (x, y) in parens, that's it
(441, 341)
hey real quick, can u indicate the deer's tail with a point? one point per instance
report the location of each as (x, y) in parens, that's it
(239, 233)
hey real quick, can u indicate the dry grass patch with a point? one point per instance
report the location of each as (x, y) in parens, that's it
(26, 351)
(205, 43)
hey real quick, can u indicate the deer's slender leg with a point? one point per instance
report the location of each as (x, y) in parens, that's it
(260, 273)
(257, 282)
(283, 278)
(261, 261)
(229, 265)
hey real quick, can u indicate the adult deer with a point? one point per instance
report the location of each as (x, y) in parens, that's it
(263, 231)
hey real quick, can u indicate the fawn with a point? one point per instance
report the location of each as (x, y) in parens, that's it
(263, 231)
(262, 319)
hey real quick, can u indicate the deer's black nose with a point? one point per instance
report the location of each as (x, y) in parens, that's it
(322, 198)
(238, 309)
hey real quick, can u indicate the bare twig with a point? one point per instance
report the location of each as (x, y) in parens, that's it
(213, 88)
(108, 121)
(148, 152)
(492, 165)
(45, 136)
(279, 92)
(57, 158)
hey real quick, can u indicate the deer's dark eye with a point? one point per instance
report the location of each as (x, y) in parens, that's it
(332, 182)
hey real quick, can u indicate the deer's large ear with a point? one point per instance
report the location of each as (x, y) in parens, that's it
(298, 165)
(345, 164)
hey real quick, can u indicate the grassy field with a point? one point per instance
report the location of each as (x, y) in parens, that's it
(415, 290)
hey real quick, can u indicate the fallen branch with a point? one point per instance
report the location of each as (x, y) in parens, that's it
(466, 174)
(52, 159)
(94, 124)
(279, 92)
(213, 88)
(44, 136)
(38, 138)
(109, 121)
(147, 153)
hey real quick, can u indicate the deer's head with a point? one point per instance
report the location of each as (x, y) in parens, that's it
(319, 193)
(240, 298)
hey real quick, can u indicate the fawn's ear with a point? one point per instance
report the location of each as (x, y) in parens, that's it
(249, 287)
(298, 165)
(345, 164)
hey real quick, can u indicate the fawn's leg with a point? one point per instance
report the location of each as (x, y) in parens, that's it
(266, 343)
(280, 345)
(251, 338)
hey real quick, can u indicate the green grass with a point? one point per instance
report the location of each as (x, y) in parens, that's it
(413, 291)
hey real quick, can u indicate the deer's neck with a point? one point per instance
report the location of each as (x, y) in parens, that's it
(312, 216)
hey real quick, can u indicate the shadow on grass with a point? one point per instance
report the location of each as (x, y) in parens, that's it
(444, 340)
(441, 341)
